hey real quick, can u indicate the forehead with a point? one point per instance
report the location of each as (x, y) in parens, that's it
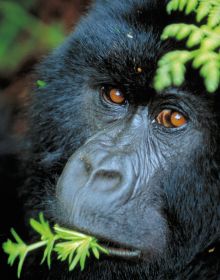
(121, 42)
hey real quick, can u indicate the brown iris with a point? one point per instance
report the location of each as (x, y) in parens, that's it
(114, 95)
(170, 119)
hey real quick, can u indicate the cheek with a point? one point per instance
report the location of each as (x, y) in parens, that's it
(187, 199)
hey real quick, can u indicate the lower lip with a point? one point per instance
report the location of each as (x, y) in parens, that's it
(123, 253)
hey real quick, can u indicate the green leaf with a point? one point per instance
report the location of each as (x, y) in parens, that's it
(16, 237)
(74, 262)
(203, 10)
(16, 250)
(214, 16)
(102, 249)
(172, 6)
(162, 78)
(211, 74)
(47, 253)
(42, 227)
(191, 6)
(195, 38)
(184, 31)
(83, 251)
(20, 264)
(170, 31)
(182, 4)
(178, 73)
(95, 252)
(210, 43)
(41, 84)
(203, 58)
(179, 31)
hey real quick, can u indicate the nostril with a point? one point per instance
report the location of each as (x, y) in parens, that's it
(109, 174)
(106, 180)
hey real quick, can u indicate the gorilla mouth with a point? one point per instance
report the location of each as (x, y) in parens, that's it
(116, 250)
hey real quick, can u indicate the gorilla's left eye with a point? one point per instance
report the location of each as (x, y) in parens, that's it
(113, 95)
(171, 119)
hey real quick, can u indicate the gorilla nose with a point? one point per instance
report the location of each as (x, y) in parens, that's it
(106, 173)
(95, 177)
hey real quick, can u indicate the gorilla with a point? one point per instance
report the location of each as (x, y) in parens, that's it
(109, 156)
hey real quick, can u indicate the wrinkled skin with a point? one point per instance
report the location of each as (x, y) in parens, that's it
(112, 170)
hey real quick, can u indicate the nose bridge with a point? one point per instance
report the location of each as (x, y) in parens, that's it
(120, 136)
(139, 117)
(132, 130)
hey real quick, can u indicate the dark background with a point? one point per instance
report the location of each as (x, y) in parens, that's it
(29, 29)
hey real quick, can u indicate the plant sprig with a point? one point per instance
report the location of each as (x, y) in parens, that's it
(202, 45)
(69, 245)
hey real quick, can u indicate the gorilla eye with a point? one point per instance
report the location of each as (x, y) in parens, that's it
(113, 95)
(171, 119)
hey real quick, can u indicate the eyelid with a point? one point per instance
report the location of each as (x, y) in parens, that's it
(174, 105)
(181, 103)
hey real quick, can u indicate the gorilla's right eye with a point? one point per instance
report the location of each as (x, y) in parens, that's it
(113, 95)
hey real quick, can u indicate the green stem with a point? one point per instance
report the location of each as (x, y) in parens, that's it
(36, 245)
(59, 229)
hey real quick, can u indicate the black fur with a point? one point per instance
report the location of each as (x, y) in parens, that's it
(106, 48)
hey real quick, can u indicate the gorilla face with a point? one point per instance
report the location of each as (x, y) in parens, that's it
(136, 168)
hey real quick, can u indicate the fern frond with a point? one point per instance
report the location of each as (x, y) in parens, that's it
(204, 39)
(203, 58)
(211, 74)
(181, 5)
(179, 31)
(195, 38)
(191, 6)
(173, 5)
(203, 10)
(172, 69)
(214, 16)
